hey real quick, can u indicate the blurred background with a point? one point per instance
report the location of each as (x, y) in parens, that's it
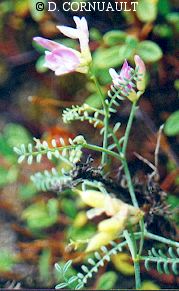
(35, 227)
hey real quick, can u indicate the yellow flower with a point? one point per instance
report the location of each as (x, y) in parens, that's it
(121, 216)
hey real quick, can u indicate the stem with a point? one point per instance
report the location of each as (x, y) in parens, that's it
(70, 147)
(137, 275)
(105, 139)
(106, 118)
(128, 128)
(131, 240)
(130, 184)
(162, 239)
(142, 226)
(133, 198)
(103, 150)
(124, 148)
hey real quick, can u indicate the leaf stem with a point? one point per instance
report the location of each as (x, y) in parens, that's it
(70, 147)
(161, 239)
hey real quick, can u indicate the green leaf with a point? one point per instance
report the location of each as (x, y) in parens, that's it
(163, 30)
(61, 286)
(107, 281)
(8, 176)
(37, 15)
(173, 18)
(15, 135)
(40, 65)
(27, 191)
(44, 265)
(114, 37)
(6, 261)
(69, 207)
(95, 34)
(172, 124)
(67, 266)
(173, 200)
(132, 42)
(146, 11)
(58, 268)
(6, 150)
(94, 101)
(164, 7)
(149, 51)
(70, 273)
(40, 215)
(106, 58)
(103, 77)
(113, 56)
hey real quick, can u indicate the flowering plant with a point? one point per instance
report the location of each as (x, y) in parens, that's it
(126, 223)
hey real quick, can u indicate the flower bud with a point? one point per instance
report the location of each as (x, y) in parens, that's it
(141, 71)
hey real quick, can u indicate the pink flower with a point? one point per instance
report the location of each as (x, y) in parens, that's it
(80, 32)
(63, 60)
(141, 71)
(125, 74)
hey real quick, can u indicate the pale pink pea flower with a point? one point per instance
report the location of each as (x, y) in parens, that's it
(63, 60)
(125, 75)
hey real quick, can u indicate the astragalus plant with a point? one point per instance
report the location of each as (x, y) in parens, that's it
(124, 228)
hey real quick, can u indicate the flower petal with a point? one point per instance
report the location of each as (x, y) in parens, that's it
(48, 44)
(141, 84)
(125, 71)
(113, 74)
(81, 24)
(69, 31)
(62, 61)
(83, 33)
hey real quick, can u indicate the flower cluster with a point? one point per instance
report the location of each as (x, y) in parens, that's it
(121, 216)
(125, 75)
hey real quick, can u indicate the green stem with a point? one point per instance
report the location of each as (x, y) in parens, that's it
(103, 150)
(142, 226)
(106, 117)
(161, 239)
(130, 184)
(105, 139)
(124, 148)
(128, 128)
(137, 275)
(70, 147)
(131, 240)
